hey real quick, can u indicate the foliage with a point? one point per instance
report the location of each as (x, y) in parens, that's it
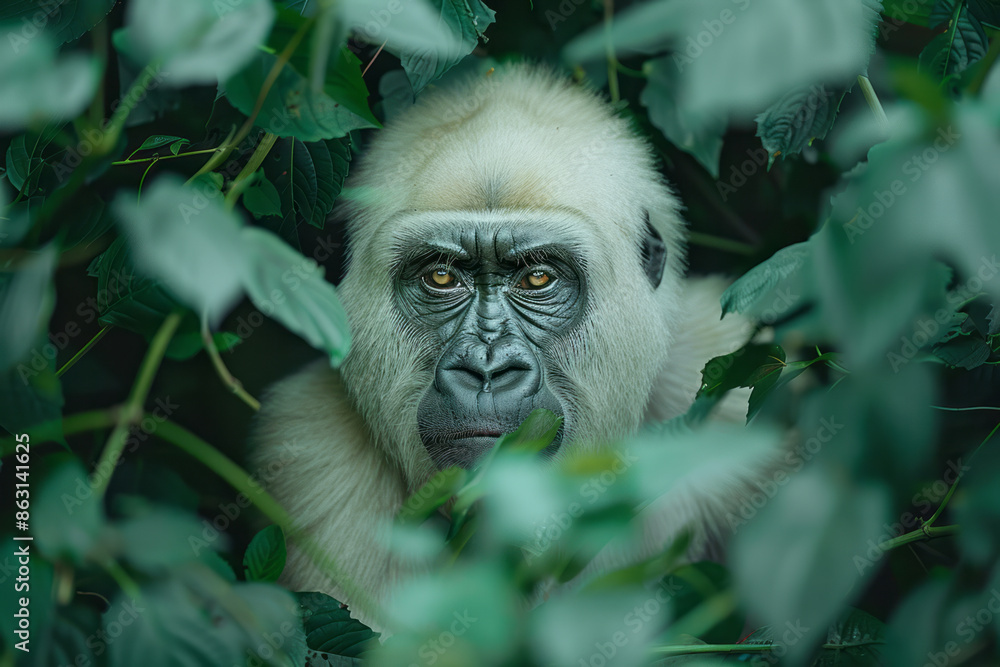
(168, 170)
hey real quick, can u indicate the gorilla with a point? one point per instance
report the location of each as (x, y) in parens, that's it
(512, 246)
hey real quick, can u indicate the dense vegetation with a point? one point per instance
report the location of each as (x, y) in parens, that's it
(841, 157)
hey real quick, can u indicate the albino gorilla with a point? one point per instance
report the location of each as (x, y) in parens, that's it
(512, 247)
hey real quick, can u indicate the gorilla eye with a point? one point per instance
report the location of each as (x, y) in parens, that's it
(535, 280)
(441, 278)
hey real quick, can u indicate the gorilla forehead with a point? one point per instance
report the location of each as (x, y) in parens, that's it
(489, 244)
(498, 234)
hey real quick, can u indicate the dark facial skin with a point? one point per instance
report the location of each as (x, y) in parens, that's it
(492, 302)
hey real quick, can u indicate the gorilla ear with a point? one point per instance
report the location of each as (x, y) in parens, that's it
(653, 254)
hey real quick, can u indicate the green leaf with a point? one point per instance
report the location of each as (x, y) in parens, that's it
(797, 119)
(154, 538)
(330, 628)
(183, 236)
(289, 287)
(433, 494)
(465, 20)
(35, 87)
(966, 352)
(533, 435)
(292, 108)
(158, 140)
(753, 293)
(917, 13)
(126, 299)
(717, 49)
(303, 175)
(67, 516)
(91, 220)
(807, 549)
(30, 395)
(963, 43)
(700, 139)
(695, 584)
(428, 36)
(168, 626)
(158, 100)
(30, 159)
(856, 638)
(27, 297)
(199, 619)
(262, 198)
(196, 41)
(345, 84)
(63, 19)
(265, 557)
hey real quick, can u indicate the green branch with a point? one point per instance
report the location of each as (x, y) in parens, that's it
(132, 410)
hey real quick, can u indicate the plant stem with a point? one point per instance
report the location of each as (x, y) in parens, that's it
(719, 243)
(234, 385)
(609, 11)
(93, 420)
(131, 411)
(86, 348)
(164, 157)
(272, 76)
(873, 103)
(925, 532)
(240, 182)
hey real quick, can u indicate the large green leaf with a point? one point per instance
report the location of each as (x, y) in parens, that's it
(695, 136)
(63, 19)
(30, 394)
(38, 87)
(963, 42)
(793, 122)
(195, 41)
(289, 287)
(798, 559)
(717, 46)
(306, 178)
(291, 108)
(429, 36)
(466, 21)
(27, 297)
(67, 516)
(183, 236)
(330, 628)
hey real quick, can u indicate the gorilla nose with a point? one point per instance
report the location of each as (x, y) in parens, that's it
(499, 370)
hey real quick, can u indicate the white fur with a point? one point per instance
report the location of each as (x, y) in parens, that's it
(516, 149)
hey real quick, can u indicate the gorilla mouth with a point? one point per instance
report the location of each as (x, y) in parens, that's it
(467, 447)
